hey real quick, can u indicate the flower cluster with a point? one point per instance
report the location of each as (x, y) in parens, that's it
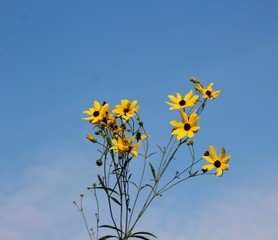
(120, 133)
(188, 126)
(115, 126)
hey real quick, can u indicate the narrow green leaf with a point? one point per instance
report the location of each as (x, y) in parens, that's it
(109, 189)
(151, 154)
(112, 227)
(141, 237)
(134, 184)
(161, 149)
(106, 237)
(153, 172)
(146, 233)
(115, 200)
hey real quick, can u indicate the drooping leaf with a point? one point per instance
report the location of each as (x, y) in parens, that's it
(107, 236)
(112, 227)
(145, 233)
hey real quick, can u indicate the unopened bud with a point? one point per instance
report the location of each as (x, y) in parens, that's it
(194, 80)
(91, 138)
(94, 184)
(206, 153)
(99, 162)
(97, 132)
(190, 143)
(81, 195)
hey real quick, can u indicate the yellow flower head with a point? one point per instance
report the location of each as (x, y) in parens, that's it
(96, 113)
(218, 162)
(207, 92)
(123, 145)
(179, 102)
(187, 126)
(126, 110)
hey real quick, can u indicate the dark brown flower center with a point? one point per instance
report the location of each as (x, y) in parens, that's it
(186, 126)
(126, 110)
(182, 103)
(208, 93)
(217, 164)
(96, 113)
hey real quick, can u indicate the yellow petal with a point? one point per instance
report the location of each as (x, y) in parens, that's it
(173, 99)
(219, 172)
(208, 167)
(213, 152)
(188, 96)
(210, 87)
(209, 159)
(184, 116)
(177, 124)
(97, 105)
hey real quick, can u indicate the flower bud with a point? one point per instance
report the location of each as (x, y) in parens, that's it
(194, 80)
(97, 132)
(91, 138)
(206, 153)
(99, 162)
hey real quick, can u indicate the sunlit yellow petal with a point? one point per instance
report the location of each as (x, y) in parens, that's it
(213, 152)
(208, 167)
(209, 159)
(173, 99)
(190, 134)
(179, 97)
(188, 96)
(184, 116)
(177, 124)
(210, 87)
(226, 159)
(222, 154)
(96, 105)
(224, 166)
(219, 172)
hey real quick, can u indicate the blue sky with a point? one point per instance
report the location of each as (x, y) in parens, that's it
(57, 57)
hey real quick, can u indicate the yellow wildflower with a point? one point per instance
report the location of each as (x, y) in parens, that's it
(96, 113)
(218, 162)
(207, 92)
(187, 126)
(179, 102)
(123, 145)
(126, 110)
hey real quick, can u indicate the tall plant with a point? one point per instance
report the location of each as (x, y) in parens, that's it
(121, 137)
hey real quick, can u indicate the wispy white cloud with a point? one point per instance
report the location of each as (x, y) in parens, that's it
(41, 208)
(243, 214)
